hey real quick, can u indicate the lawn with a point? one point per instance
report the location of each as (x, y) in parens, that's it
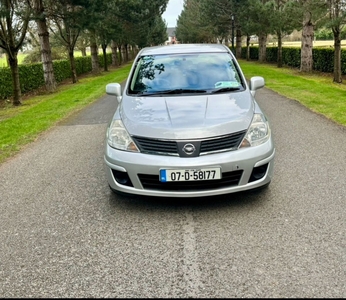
(3, 62)
(21, 125)
(315, 91)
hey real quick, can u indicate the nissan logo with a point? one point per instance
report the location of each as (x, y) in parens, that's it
(189, 149)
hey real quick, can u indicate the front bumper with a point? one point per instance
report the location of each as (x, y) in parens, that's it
(132, 169)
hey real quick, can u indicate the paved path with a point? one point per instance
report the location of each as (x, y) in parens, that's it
(64, 234)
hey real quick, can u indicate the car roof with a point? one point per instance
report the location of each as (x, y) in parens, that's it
(184, 48)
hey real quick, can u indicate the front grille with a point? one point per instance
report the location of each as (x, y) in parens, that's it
(147, 145)
(170, 147)
(222, 143)
(228, 179)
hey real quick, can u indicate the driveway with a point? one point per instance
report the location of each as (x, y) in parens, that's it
(64, 234)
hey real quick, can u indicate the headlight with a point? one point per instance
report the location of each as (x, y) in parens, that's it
(258, 132)
(118, 137)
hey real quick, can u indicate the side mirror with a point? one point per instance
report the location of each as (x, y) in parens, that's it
(256, 83)
(114, 89)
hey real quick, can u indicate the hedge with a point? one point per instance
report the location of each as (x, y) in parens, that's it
(31, 75)
(323, 58)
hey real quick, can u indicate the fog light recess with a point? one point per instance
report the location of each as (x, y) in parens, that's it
(258, 173)
(122, 178)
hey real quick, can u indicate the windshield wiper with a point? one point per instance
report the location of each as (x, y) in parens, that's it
(225, 89)
(174, 91)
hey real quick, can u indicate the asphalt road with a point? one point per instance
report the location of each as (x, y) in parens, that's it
(64, 234)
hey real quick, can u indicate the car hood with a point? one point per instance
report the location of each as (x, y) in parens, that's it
(186, 117)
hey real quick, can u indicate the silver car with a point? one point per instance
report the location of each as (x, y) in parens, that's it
(187, 125)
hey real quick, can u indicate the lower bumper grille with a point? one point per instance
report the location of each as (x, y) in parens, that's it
(228, 179)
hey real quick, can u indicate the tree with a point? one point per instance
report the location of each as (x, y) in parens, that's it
(283, 21)
(83, 42)
(46, 53)
(69, 20)
(218, 14)
(337, 20)
(245, 22)
(312, 13)
(158, 34)
(14, 20)
(259, 10)
(192, 27)
(96, 11)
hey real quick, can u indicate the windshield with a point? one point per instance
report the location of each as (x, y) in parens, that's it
(185, 73)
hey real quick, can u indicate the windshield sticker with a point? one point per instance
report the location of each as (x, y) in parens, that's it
(222, 84)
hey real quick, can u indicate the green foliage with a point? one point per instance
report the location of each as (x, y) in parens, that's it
(324, 34)
(253, 53)
(101, 60)
(21, 125)
(291, 57)
(318, 93)
(32, 77)
(61, 69)
(5, 83)
(323, 58)
(192, 25)
(343, 62)
(272, 54)
(83, 64)
(35, 56)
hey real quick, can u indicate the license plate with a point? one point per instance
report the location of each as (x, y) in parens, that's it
(190, 174)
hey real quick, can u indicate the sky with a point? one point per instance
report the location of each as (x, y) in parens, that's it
(172, 12)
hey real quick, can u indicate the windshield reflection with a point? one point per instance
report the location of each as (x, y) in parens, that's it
(187, 73)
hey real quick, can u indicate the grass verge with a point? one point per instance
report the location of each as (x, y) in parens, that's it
(315, 91)
(21, 125)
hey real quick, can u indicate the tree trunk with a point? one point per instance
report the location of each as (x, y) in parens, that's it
(279, 62)
(104, 51)
(238, 44)
(94, 54)
(130, 52)
(248, 47)
(123, 53)
(126, 52)
(17, 94)
(134, 51)
(120, 55)
(337, 56)
(83, 50)
(306, 59)
(115, 59)
(46, 53)
(262, 51)
(72, 65)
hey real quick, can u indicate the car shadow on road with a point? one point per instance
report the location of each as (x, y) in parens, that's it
(239, 199)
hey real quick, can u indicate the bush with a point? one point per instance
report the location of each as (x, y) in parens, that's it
(35, 56)
(272, 54)
(61, 69)
(83, 64)
(291, 57)
(108, 57)
(31, 75)
(6, 89)
(323, 58)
